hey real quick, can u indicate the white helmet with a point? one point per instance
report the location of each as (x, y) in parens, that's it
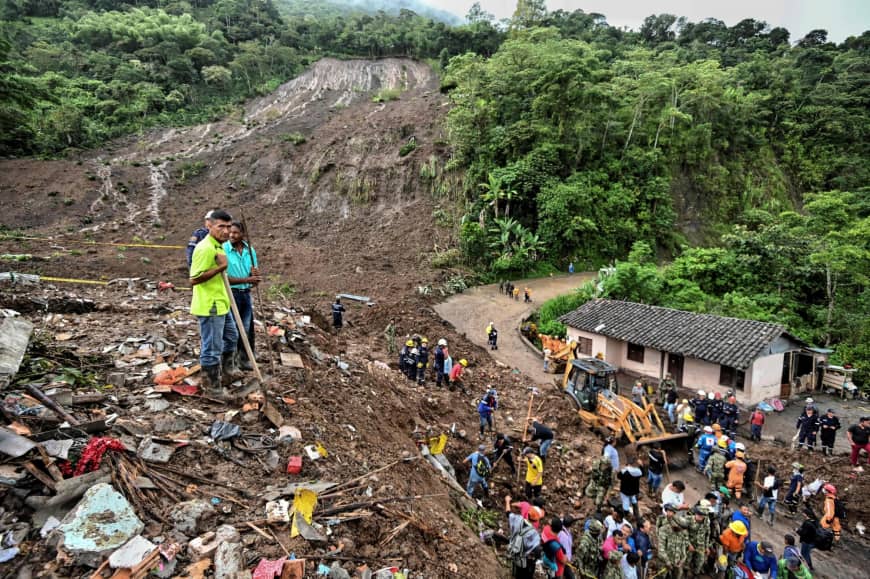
(711, 396)
(739, 446)
(442, 342)
(701, 393)
(415, 351)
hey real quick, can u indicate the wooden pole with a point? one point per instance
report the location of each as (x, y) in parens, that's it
(242, 333)
(51, 404)
(259, 298)
(526, 427)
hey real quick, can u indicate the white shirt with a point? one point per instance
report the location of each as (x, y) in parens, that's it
(768, 483)
(669, 496)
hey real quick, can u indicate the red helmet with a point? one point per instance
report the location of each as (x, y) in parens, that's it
(718, 396)
(830, 489)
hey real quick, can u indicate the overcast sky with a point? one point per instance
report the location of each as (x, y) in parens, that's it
(841, 18)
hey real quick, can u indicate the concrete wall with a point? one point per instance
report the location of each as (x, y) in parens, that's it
(599, 342)
(701, 375)
(765, 376)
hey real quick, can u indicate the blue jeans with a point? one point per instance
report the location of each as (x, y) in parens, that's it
(805, 553)
(768, 502)
(485, 421)
(670, 408)
(218, 335)
(472, 484)
(627, 501)
(756, 431)
(246, 312)
(654, 481)
(545, 446)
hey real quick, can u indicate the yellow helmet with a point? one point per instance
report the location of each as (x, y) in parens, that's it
(738, 527)
(409, 343)
(723, 442)
(688, 418)
(425, 340)
(463, 362)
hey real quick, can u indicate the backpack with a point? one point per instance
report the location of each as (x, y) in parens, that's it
(839, 509)
(824, 538)
(550, 551)
(516, 549)
(481, 468)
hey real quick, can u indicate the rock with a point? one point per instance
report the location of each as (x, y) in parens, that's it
(337, 572)
(155, 452)
(132, 553)
(229, 561)
(192, 517)
(203, 546)
(100, 523)
(156, 404)
(171, 424)
(116, 379)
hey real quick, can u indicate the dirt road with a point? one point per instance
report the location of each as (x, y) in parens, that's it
(471, 311)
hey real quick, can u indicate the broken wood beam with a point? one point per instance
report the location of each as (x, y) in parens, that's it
(39, 475)
(51, 404)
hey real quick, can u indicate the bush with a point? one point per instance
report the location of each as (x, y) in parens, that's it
(294, 138)
(407, 148)
(553, 328)
(446, 258)
(386, 95)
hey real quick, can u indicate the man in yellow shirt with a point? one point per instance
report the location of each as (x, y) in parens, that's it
(534, 473)
(211, 305)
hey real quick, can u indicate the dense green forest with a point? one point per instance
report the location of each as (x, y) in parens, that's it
(79, 72)
(737, 156)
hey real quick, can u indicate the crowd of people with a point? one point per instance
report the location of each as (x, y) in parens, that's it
(513, 292)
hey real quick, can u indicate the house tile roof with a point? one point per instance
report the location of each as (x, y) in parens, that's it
(728, 341)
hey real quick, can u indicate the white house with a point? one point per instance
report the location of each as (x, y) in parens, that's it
(757, 360)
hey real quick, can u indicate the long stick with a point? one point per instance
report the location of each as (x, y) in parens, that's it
(52, 405)
(526, 427)
(242, 333)
(259, 297)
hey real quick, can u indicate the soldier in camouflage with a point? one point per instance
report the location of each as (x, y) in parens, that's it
(699, 541)
(674, 546)
(587, 558)
(663, 520)
(599, 481)
(612, 568)
(715, 468)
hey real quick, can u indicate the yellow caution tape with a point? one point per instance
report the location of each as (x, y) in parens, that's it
(73, 280)
(88, 242)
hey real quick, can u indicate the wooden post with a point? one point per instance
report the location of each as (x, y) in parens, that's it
(242, 333)
(526, 426)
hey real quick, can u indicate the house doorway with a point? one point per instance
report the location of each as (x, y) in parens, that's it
(675, 367)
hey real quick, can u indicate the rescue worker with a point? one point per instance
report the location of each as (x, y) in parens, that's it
(410, 360)
(829, 424)
(502, 449)
(674, 546)
(403, 356)
(808, 426)
(198, 235)
(706, 445)
(830, 520)
(243, 273)
(516, 294)
(666, 386)
(770, 492)
(683, 409)
(700, 541)
(390, 335)
(587, 558)
(671, 403)
(759, 557)
(715, 468)
(733, 539)
(534, 473)
(792, 568)
(457, 371)
(543, 434)
(599, 480)
(479, 471)
(492, 336)
(337, 313)
(736, 469)
(484, 409)
(716, 408)
(422, 360)
(438, 362)
(795, 488)
(669, 511)
(527, 295)
(730, 416)
(700, 407)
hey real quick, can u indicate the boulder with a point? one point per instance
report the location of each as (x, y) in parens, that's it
(192, 517)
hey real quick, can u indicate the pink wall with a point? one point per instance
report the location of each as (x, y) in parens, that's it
(765, 378)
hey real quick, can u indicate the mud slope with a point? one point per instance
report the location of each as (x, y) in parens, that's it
(335, 212)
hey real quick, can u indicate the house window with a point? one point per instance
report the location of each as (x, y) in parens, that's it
(731, 377)
(584, 346)
(635, 353)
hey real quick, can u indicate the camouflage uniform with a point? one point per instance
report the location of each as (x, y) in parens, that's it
(699, 538)
(674, 547)
(587, 557)
(599, 482)
(716, 468)
(664, 386)
(612, 570)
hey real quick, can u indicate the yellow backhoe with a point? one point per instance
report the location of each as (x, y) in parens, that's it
(591, 384)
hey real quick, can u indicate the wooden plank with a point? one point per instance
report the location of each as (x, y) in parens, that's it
(39, 475)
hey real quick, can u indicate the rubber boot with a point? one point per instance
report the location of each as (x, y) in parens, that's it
(243, 362)
(211, 383)
(231, 372)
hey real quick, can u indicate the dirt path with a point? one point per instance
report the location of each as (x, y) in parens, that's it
(471, 311)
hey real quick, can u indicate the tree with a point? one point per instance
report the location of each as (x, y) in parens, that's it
(528, 14)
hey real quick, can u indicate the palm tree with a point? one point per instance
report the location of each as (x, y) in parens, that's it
(492, 192)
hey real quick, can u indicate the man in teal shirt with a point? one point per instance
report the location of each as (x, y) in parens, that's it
(243, 272)
(211, 305)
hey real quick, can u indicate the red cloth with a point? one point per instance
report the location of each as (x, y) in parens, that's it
(92, 455)
(267, 569)
(548, 535)
(757, 418)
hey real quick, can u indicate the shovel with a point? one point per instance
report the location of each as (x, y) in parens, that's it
(258, 381)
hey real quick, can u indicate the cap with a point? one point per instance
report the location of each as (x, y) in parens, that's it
(425, 340)
(723, 490)
(481, 447)
(442, 342)
(708, 430)
(528, 450)
(830, 410)
(766, 548)
(682, 521)
(740, 446)
(595, 527)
